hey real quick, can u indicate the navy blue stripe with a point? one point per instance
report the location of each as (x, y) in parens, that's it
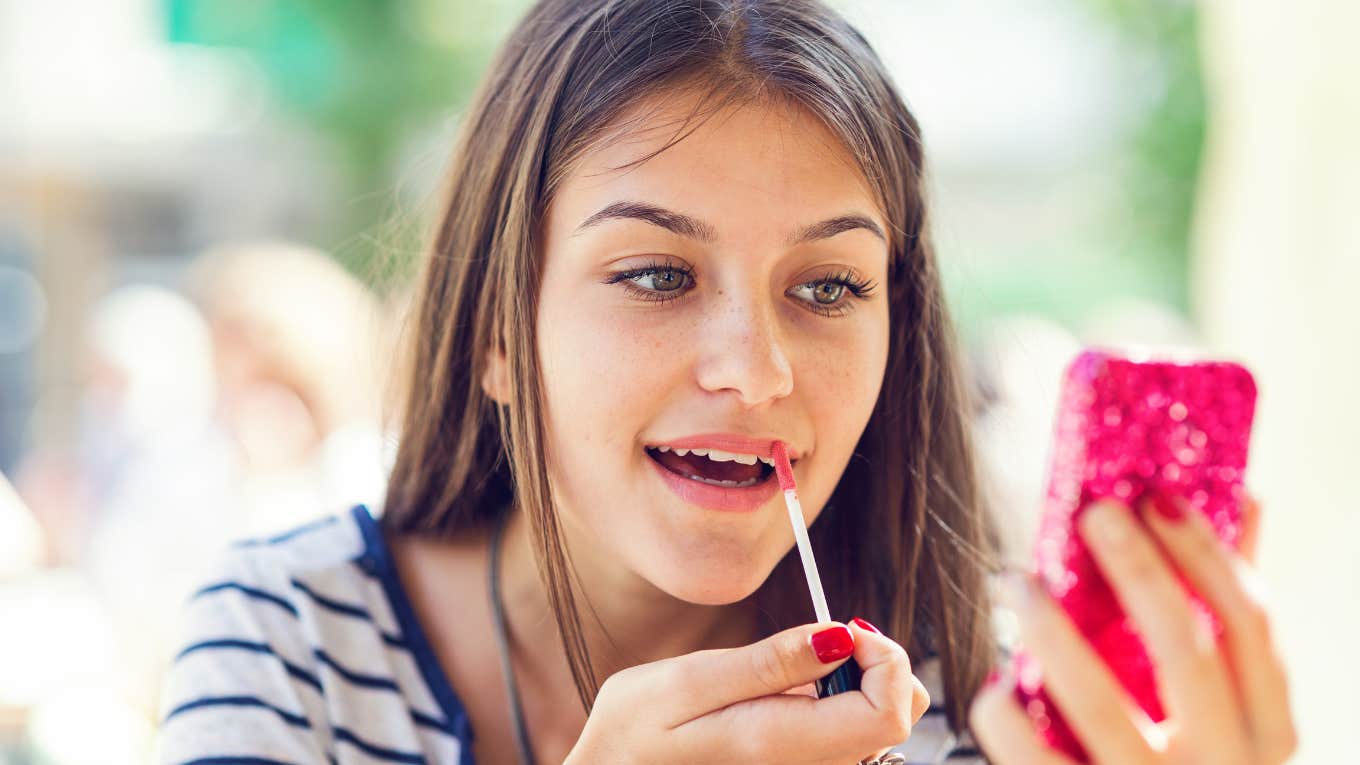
(358, 612)
(239, 701)
(258, 594)
(391, 755)
(426, 721)
(262, 648)
(365, 564)
(395, 641)
(367, 681)
(333, 605)
(234, 761)
(357, 678)
(287, 535)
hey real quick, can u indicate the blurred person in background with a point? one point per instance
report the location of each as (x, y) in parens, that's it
(127, 517)
(300, 372)
(21, 540)
(199, 424)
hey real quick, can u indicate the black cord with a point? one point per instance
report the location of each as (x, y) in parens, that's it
(526, 753)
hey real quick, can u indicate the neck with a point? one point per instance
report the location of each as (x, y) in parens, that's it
(625, 619)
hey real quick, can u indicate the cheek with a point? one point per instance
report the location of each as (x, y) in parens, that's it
(841, 370)
(596, 368)
(840, 384)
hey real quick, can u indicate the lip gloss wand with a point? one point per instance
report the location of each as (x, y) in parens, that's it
(847, 676)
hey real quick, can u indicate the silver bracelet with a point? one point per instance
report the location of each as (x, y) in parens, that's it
(891, 758)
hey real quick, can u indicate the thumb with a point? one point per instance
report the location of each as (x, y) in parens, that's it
(710, 680)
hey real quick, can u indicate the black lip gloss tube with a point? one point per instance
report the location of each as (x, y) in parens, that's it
(845, 678)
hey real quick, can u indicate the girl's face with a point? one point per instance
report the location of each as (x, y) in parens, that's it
(729, 307)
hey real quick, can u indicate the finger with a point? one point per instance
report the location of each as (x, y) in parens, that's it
(868, 639)
(848, 725)
(887, 680)
(919, 705)
(1190, 672)
(707, 680)
(1251, 528)
(789, 728)
(1109, 724)
(1005, 732)
(1229, 588)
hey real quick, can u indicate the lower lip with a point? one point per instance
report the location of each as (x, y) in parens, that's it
(728, 499)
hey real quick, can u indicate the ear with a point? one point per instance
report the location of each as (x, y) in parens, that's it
(496, 378)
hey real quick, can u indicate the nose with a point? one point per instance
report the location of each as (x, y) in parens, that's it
(742, 351)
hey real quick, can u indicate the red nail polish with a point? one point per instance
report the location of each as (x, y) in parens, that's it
(866, 625)
(833, 644)
(1168, 508)
(993, 678)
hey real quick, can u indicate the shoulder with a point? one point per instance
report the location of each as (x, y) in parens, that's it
(264, 587)
(278, 629)
(327, 542)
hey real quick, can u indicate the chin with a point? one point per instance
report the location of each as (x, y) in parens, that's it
(710, 585)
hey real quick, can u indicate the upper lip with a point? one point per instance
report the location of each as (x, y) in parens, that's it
(729, 442)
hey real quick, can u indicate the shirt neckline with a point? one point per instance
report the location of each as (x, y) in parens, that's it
(379, 563)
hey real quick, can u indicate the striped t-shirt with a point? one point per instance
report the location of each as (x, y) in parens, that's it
(304, 648)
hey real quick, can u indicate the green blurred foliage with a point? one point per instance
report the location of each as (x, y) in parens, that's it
(1166, 144)
(364, 75)
(1138, 247)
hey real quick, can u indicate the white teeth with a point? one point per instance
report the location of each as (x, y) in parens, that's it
(718, 455)
(728, 484)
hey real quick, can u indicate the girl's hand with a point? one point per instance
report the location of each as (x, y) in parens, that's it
(730, 706)
(1225, 704)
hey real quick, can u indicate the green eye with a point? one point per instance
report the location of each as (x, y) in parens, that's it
(655, 281)
(824, 296)
(662, 280)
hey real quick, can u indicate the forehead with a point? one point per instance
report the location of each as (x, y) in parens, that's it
(760, 167)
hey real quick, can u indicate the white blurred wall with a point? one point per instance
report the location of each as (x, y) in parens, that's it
(1277, 281)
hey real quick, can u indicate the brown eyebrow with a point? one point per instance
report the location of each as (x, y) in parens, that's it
(693, 228)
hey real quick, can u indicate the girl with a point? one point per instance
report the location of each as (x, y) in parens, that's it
(675, 232)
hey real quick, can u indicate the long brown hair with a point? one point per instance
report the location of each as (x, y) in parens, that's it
(904, 540)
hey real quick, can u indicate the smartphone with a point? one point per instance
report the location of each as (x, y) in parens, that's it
(1130, 423)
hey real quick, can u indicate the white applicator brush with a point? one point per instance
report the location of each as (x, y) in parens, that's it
(847, 676)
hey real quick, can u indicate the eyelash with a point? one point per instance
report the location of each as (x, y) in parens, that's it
(859, 288)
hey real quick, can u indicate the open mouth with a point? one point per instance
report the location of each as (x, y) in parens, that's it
(714, 467)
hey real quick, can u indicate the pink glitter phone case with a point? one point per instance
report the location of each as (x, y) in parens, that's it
(1127, 427)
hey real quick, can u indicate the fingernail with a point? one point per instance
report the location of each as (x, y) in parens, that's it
(1168, 508)
(993, 678)
(866, 625)
(833, 644)
(1106, 522)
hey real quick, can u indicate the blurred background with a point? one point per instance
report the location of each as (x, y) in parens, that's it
(209, 210)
